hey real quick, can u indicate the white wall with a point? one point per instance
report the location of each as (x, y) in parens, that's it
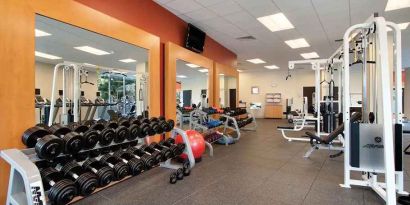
(196, 85)
(275, 82)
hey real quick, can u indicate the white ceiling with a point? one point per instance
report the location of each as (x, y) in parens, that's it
(191, 73)
(320, 22)
(65, 37)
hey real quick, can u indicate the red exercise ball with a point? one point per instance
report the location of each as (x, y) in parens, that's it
(197, 143)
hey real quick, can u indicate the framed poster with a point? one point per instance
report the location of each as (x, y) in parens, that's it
(255, 90)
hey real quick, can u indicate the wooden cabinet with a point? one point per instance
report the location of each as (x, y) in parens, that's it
(273, 111)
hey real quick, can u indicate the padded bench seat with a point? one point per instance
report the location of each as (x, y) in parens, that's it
(286, 127)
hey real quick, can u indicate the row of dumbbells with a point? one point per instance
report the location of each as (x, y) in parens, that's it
(68, 179)
(212, 110)
(242, 122)
(49, 142)
(212, 137)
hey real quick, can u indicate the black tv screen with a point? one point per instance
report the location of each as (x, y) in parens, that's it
(195, 39)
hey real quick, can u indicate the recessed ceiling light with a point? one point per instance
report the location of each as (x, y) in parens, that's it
(276, 22)
(128, 60)
(40, 33)
(192, 65)
(92, 50)
(397, 4)
(239, 70)
(310, 55)
(45, 55)
(402, 26)
(203, 70)
(181, 76)
(221, 74)
(256, 61)
(272, 67)
(297, 43)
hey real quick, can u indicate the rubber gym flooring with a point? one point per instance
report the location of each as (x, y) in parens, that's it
(262, 168)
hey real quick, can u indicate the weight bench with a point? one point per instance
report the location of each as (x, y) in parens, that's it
(298, 126)
(327, 142)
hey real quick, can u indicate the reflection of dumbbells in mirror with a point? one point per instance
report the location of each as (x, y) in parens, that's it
(121, 169)
(73, 141)
(104, 172)
(148, 159)
(47, 146)
(106, 134)
(60, 190)
(85, 181)
(90, 136)
(135, 163)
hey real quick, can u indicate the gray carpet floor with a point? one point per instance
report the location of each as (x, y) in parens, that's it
(262, 168)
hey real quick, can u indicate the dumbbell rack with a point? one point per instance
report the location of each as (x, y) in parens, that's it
(25, 183)
(235, 126)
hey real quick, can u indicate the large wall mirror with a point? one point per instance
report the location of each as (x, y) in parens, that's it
(227, 91)
(188, 80)
(113, 75)
(192, 85)
(227, 86)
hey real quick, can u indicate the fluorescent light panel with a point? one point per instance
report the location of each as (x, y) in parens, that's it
(272, 67)
(397, 4)
(276, 22)
(92, 50)
(45, 55)
(40, 33)
(310, 55)
(89, 64)
(192, 65)
(128, 60)
(297, 43)
(239, 70)
(221, 74)
(256, 61)
(181, 76)
(203, 70)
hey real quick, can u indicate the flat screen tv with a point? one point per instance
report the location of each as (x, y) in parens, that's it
(195, 39)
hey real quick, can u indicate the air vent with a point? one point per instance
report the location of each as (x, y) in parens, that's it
(246, 38)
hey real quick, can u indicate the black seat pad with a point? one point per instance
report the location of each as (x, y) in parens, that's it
(286, 127)
(333, 135)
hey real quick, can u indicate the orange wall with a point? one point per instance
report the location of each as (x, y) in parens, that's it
(151, 17)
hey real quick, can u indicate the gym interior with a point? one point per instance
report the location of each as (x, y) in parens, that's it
(205, 102)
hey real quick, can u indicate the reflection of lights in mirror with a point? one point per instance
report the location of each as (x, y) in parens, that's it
(227, 91)
(113, 74)
(192, 84)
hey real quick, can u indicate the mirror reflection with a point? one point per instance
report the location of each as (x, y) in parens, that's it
(227, 91)
(192, 85)
(109, 77)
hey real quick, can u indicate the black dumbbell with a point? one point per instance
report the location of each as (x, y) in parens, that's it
(148, 160)
(105, 173)
(106, 134)
(145, 128)
(154, 125)
(136, 165)
(155, 153)
(173, 178)
(90, 137)
(165, 151)
(94, 153)
(167, 125)
(177, 149)
(60, 190)
(163, 125)
(86, 181)
(81, 156)
(134, 130)
(121, 132)
(121, 169)
(73, 141)
(180, 174)
(47, 146)
(186, 168)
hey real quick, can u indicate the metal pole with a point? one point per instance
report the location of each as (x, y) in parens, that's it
(53, 91)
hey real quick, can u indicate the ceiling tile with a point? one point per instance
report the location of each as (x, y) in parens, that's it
(183, 6)
(209, 2)
(243, 20)
(162, 1)
(225, 8)
(201, 14)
